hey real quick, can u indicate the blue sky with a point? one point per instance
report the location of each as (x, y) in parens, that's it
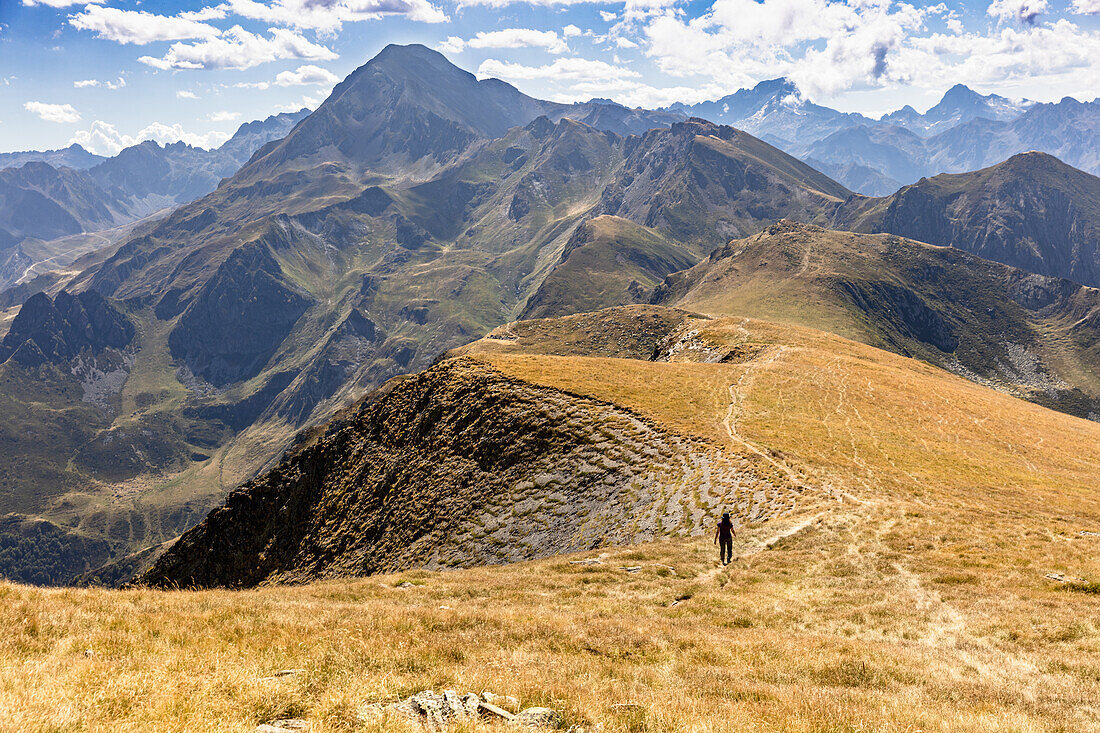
(112, 72)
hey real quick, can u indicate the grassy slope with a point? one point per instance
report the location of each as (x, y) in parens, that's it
(614, 262)
(909, 594)
(805, 275)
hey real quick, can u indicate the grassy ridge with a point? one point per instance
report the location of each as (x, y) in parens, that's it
(908, 590)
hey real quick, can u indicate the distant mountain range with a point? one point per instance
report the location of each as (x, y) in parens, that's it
(964, 131)
(74, 156)
(414, 211)
(63, 192)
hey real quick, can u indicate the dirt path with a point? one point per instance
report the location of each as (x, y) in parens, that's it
(736, 409)
(759, 545)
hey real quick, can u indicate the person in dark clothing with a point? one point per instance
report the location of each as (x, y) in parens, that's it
(723, 537)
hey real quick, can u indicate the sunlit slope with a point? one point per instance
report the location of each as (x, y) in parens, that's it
(909, 588)
(1032, 336)
(841, 413)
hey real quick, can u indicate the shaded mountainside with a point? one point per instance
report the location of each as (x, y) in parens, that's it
(41, 553)
(1031, 211)
(59, 329)
(463, 466)
(1036, 337)
(963, 132)
(698, 181)
(38, 200)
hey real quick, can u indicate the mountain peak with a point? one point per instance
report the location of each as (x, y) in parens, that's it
(1032, 160)
(780, 85)
(961, 91)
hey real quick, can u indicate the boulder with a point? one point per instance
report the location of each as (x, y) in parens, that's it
(538, 718)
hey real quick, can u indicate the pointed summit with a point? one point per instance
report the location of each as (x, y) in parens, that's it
(406, 104)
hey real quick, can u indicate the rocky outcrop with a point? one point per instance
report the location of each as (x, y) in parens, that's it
(460, 466)
(57, 330)
(238, 319)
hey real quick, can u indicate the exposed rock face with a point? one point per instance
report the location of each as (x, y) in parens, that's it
(58, 330)
(231, 329)
(461, 465)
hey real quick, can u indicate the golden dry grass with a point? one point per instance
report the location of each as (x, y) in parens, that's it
(908, 592)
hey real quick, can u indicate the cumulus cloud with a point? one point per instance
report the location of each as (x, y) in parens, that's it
(1024, 11)
(571, 30)
(825, 45)
(330, 15)
(184, 94)
(139, 27)
(508, 38)
(1086, 7)
(61, 113)
(561, 69)
(103, 138)
(307, 74)
(86, 83)
(237, 48)
(453, 44)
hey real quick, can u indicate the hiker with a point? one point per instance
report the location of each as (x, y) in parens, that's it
(723, 537)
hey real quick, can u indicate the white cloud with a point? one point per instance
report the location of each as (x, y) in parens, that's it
(1086, 7)
(59, 3)
(103, 138)
(223, 116)
(252, 85)
(240, 49)
(571, 30)
(139, 27)
(61, 113)
(330, 15)
(561, 69)
(453, 44)
(307, 74)
(516, 38)
(608, 16)
(625, 43)
(85, 83)
(508, 38)
(1024, 11)
(213, 12)
(825, 45)
(184, 94)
